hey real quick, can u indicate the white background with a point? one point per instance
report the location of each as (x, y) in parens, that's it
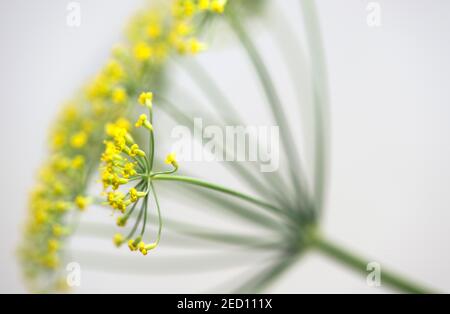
(390, 111)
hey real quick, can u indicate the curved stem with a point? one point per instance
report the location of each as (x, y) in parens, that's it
(268, 275)
(136, 224)
(234, 207)
(166, 172)
(320, 99)
(274, 101)
(218, 188)
(359, 264)
(145, 208)
(219, 101)
(159, 213)
(130, 212)
(237, 168)
(224, 109)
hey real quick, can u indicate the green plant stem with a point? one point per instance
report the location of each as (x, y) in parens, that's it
(224, 109)
(252, 181)
(320, 99)
(145, 208)
(274, 102)
(160, 222)
(152, 142)
(268, 275)
(359, 264)
(219, 101)
(219, 188)
(136, 224)
(234, 207)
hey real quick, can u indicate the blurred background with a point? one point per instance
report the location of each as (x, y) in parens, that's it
(390, 109)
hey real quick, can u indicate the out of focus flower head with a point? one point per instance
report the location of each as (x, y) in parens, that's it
(167, 28)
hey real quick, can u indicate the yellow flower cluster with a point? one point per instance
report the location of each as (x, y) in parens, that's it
(123, 162)
(75, 139)
(154, 34)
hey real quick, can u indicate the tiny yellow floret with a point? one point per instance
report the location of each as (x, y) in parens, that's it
(78, 162)
(218, 6)
(143, 121)
(122, 221)
(195, 46)
(79, 139)
(53, 245)
(118, 239)
(171, 160)
(146, 99)
(131, 245)
(81, 202)
(119, 96)
(142, 51)
(204, 5)
(154, 30)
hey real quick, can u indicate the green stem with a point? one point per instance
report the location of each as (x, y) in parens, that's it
(218, 188)
(152, 142)
(273, 100)
(160, 223)
(320, 99)
(166, 172)
(142, 164)
(219, 101)
(145, 208)
(234, 207)
(268, 275)
(359, 264)
(253, 181)
(224, 109)
(136, 224)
